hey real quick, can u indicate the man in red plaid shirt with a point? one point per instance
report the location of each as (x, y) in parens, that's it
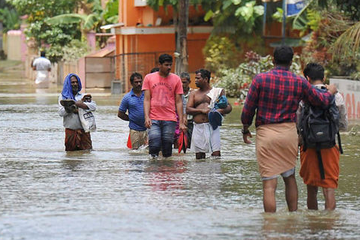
(275, 95)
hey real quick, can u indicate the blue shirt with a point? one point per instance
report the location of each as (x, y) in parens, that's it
(135, 107)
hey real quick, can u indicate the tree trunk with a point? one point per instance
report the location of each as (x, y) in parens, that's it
(183, 24)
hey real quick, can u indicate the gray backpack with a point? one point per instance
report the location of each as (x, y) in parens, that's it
(319, 127)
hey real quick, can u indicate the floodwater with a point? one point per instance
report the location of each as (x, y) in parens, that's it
(114, 193)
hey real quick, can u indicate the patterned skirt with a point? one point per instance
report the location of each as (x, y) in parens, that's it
(77, 140)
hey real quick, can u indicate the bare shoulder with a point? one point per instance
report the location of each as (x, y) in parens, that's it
(193, 92)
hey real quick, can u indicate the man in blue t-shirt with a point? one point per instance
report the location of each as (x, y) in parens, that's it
(133, 104)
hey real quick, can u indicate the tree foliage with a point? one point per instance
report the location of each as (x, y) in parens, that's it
(37, 11)
(335, 35)
(10, 18)
(92, 21)
(228, 16)
(219, 53)
(236, 81)
(236, 24)
(59, 33)
(350, 7)
(320, 46)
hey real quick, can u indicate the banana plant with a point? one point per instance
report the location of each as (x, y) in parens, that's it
(227, 15)
(93, 20)
(10, 19)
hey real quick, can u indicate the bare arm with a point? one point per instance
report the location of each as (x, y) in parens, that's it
(81, 104)
(246, 134)
(228, 108)
(123, 116)
(190, 106)
(331, 88)
(179, 109)
(147, 108)
(32, 64)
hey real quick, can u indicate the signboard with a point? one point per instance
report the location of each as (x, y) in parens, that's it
(350, 90)
(293, 7)
(139, 3)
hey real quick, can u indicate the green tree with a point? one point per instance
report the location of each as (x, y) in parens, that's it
(62, 31)
(94, 19)
(41, 33)
(349, 42)
(230, 18)
(236, 81)
(9, 16)
(220, 53)
(334, 39)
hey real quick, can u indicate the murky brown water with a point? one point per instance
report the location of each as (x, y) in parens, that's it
(111, 193)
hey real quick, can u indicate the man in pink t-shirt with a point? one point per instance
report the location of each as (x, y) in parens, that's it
(163, 99)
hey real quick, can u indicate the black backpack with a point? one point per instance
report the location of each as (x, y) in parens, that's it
(319, 127)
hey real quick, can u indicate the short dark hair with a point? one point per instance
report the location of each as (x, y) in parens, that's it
(314, 71)
(204, 73)
(155, 69)
(165, 58)
(185, 75)
(283, 55)
(135, 75)
(42, 53)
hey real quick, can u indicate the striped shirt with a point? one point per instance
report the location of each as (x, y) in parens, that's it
(275, 95)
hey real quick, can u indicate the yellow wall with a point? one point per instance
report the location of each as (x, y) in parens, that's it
(13, 45)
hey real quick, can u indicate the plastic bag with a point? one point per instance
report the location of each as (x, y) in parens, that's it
(87, 120)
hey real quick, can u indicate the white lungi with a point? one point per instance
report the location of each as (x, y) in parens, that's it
(204, 139)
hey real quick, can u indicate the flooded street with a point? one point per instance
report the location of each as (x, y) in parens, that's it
(113, 193)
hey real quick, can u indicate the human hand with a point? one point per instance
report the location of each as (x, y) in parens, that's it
(182, 127)
(86, 98)
(148, 122)
(205, 110)
(332, 88)
(185, 120)
(246, 136)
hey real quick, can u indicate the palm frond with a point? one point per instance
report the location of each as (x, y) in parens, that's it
(66, 19)
(349, 40)
(91, 21)
(300, 21)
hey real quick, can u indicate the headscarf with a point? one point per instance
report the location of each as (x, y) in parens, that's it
(67, 88)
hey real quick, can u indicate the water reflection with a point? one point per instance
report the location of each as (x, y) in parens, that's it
(113, 193)
(165, 175)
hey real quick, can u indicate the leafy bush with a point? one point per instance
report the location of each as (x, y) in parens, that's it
(10, 19)
(221, 53)
(330, 25)
(69, 53)
(236, 81)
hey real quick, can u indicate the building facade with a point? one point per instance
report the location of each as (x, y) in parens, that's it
(143, 34)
